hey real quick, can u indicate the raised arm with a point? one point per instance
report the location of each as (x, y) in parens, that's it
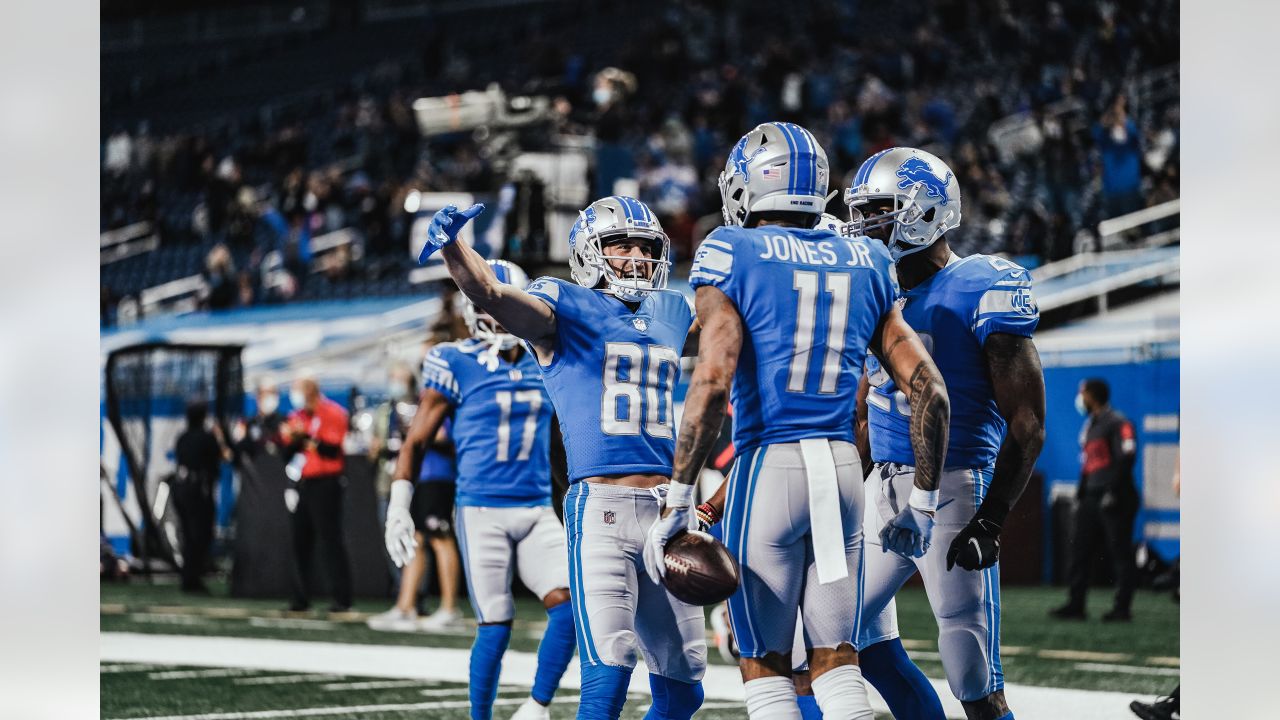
(522, 314)
(1017, 381)
(905, 358)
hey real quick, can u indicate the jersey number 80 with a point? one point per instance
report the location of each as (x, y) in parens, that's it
(638, 381)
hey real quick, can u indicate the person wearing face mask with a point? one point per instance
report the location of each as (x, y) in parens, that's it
(313, 436)
(258, 433)
(1107, 502)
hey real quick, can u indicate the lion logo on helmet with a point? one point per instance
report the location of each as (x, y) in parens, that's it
(582, 226)
(915, 170)
(740, 160)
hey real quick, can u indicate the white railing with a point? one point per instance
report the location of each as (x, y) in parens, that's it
(1110, 231)
(1100, 287)
(176, 296)
(127, 241)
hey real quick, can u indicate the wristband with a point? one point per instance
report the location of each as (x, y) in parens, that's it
(401, 494)
(679, 495)
(926, 500)
(708, 515)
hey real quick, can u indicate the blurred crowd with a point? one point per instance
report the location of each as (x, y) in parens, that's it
(1092, 87)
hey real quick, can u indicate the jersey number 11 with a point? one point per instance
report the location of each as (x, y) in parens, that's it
(805, 283)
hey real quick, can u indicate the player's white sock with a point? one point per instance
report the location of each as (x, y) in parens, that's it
(772, 698)
(842, 695)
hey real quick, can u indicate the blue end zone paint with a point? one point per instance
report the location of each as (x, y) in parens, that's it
(1138, 389)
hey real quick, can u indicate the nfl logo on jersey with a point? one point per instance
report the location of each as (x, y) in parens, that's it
(640, 324)
(609, 517)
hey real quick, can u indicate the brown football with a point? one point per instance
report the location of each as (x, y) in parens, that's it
(700, 570)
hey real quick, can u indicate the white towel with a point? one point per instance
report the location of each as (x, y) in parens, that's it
(825, 526)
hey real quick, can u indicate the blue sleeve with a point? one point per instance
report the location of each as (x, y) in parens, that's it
(713, 262)
(437, 374)
(1008, 305)
(547, 290)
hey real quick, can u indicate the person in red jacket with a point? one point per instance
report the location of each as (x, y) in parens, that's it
(313, 435)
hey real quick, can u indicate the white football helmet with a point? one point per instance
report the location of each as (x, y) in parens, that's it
(614, 217)
(776, 166)
(481, 324)
(925, 194)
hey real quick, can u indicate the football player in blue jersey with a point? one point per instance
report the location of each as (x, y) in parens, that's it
(609, 346)
(504, 521)
(789, 311)
(976, 315)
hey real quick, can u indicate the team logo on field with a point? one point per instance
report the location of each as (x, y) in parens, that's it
(640, 324)
(609, 517)
(914, 170)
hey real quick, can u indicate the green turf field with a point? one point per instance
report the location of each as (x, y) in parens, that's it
(1139, 658)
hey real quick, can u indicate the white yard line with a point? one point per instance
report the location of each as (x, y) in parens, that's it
(372, 685)
(450, 665)
(194, 674)
(166, 619)
(126, 667)
(286, 679)
(291, 623)
(1128, 669)
(323, 711)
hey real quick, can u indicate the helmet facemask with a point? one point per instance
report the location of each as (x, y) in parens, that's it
(487, 330)
(590, 260)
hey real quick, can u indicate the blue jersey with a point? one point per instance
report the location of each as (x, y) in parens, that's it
(438, 466)
(611, 377)
(810, 302)
(954, 312)
(501, 424)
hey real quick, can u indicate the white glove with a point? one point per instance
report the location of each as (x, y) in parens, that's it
(291, 499)
(911, 532)
(679, 501)
(398, 536)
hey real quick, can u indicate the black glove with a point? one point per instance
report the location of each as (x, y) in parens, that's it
(977, 547)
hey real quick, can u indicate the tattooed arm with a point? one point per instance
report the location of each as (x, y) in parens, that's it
(720, 343)
(1018, 383)
(904, 356)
